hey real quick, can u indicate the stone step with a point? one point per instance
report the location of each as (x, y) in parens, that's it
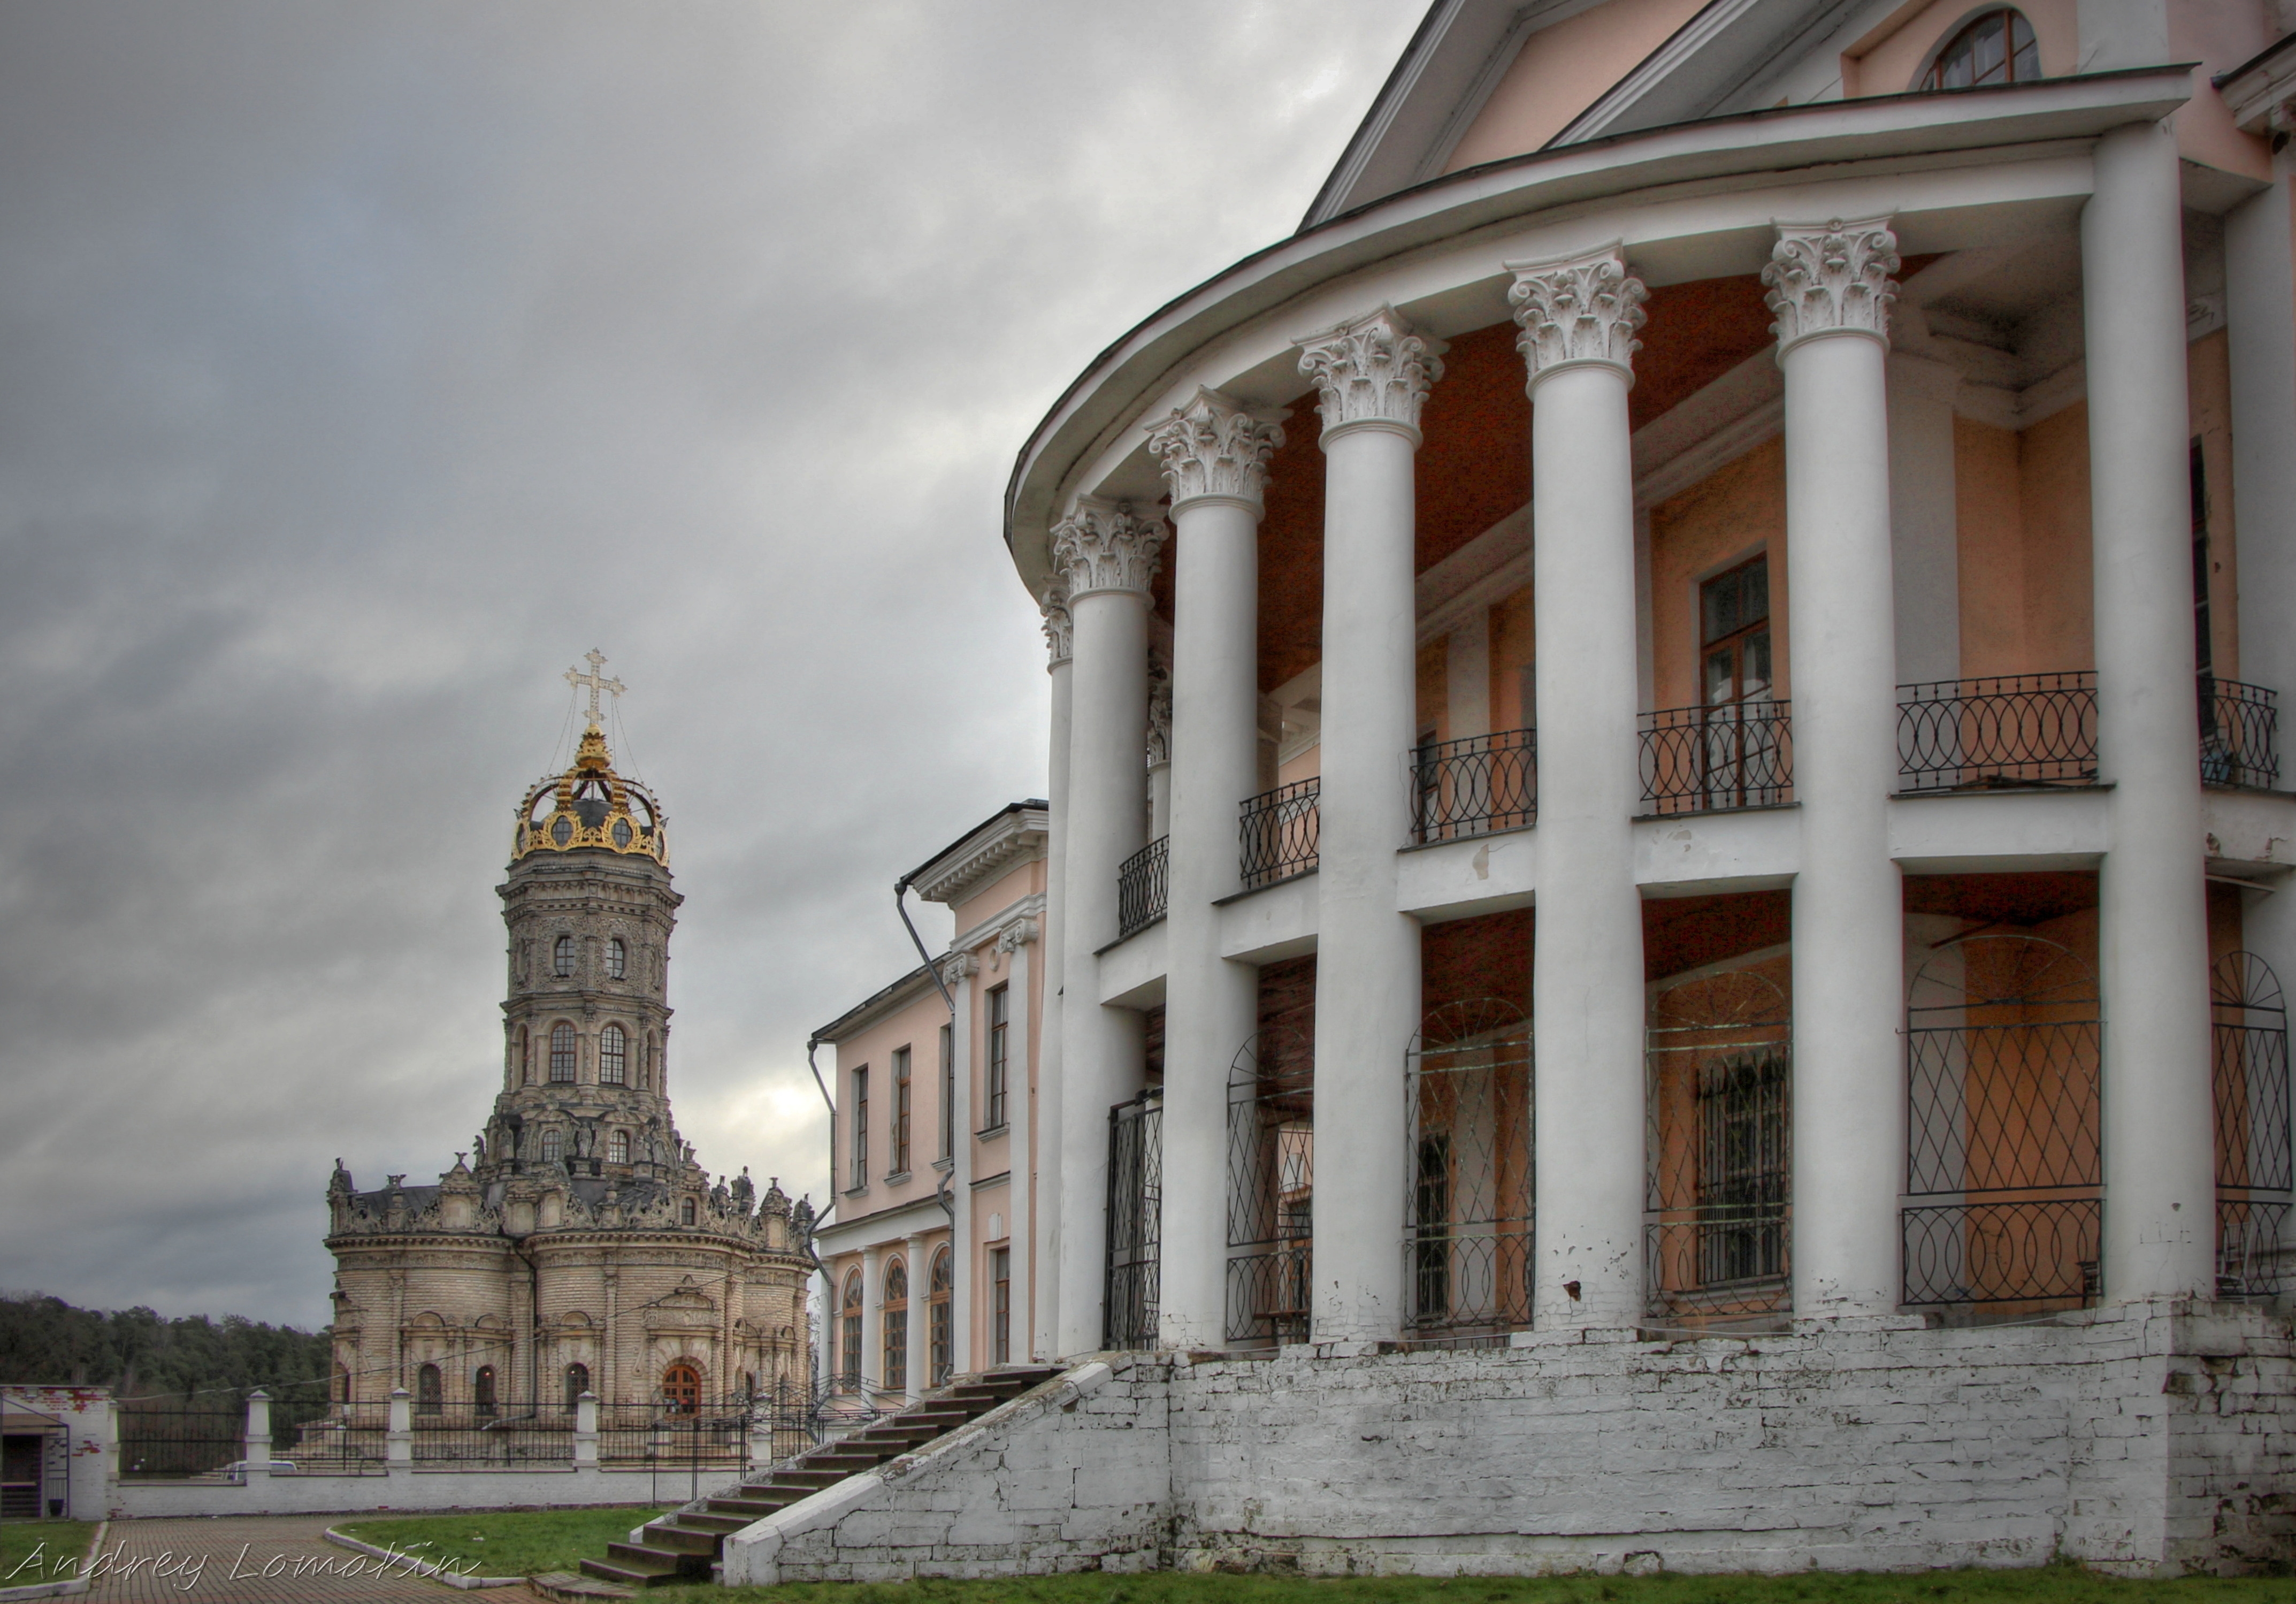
(631, 1573)
(565, 1587)
(746, 1509)
(703, 1520)
(673, 1535)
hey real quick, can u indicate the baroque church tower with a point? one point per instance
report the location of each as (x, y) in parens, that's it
(580, 1247)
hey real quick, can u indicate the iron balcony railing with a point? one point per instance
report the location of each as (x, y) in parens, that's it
(2239, 727)
(1142, 885)
(2014, 729)
(1279, 830)
(1698, 760)
(1475, 786)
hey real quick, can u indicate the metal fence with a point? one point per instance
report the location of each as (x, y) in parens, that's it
(1279, 830)
(1135, 1203)
(162, 1440)
(1142, 886)
(1697, 760)
(1468, 1135)
(2252, 1158)
(1271, 1185)
(2005, 1170)
(351, 1440)
(2238, 730)
(1719, 1146)
(1475, 786)
(2018, 729)
(508, 1439)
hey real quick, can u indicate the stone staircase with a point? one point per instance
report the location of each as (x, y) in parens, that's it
(681, 1547)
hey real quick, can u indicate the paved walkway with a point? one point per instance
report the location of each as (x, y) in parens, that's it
(259, 1559)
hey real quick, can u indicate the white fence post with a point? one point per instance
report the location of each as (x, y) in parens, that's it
(398, 1434)
(586, 1432)
(255, 1447)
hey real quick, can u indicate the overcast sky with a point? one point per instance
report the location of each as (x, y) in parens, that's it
(364, 364)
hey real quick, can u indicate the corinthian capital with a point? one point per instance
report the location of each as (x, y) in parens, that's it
(1580, 310)
(1060, 629)
(1100, 545)
(1831, 279)
(1212, 446)
(1372, 370)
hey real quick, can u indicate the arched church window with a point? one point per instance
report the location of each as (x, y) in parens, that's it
(561, 1051)
(430, 1391)
(552, 1147)
(938, 1328)
(685, 1213)
(577, 1382)
(617, 960)
(849, 1343)
(618, 1148)
(681, 1388)
(896, 1322)
(482, 1389)
(613, 1057)
(561, 957)
(1998, 48)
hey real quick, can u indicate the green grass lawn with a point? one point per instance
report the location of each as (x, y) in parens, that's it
(522, 1543)
(30, 1550)
(2052, 1584)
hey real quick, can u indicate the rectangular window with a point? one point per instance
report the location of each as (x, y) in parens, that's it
(1744, 1144)
(1000, 1308)
(900, 1111)
(860, 1177)
(1733, 612)
(999, 1027)
(948, 1091)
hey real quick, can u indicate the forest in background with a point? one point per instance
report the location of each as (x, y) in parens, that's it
(138, 1353)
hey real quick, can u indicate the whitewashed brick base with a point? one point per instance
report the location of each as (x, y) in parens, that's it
(2143, 1439)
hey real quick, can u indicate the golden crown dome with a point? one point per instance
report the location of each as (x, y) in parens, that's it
(591, 807)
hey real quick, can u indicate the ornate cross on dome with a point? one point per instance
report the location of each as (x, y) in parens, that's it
(596, 680)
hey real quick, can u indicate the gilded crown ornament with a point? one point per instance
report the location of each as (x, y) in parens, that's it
(1213, 446)
(1580, 310)
(1100, 545)
(590, 806)
(1831, 279)
(1373, 369)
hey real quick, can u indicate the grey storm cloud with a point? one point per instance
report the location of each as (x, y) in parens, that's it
(362, 364)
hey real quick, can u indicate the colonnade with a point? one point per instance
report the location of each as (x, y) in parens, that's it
(1830, 286)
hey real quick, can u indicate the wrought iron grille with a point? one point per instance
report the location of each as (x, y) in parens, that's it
(351, 1440)
(1467, 1127)
(2253, 1170)
(1718, 1148)
(1271, 1188)
(1135, 1221)
(1475, 786)
(1141, 884)
(1279, 830)
(2004, 1172)
(2016, 729)
(162, 1440)
(1697, 760)
(2239, 734)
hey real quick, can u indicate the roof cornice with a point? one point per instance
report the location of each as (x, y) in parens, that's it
(1013, 836)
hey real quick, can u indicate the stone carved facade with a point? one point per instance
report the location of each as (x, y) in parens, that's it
(579, 1245)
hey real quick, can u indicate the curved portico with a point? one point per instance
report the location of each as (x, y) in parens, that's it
(1713, 344)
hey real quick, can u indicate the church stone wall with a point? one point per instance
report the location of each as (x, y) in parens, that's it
(2138, 1439)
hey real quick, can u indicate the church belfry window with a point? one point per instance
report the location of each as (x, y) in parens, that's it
(561, 957)
(686, 1212)
(618, 1148)
(552, 1147)
(613, 1057)
(617, 960)
(561, 1051)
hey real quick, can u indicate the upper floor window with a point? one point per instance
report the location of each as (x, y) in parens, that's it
(552, 1147)
(561, 957)
(1733, 612)
(1000, 1026)
(618, 1148)
(617, 960)
(860, 1173)
(613, 1057)
(1996, 48)
(561, 1051)
(686, 1211)
(900, 1111)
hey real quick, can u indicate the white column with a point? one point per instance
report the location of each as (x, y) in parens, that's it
(2260, 307)
(1044, 1318)
(1371, 377)
(2159, 1176)
(1014, 941)
(1159, 752)
(1831, 289)
(1578, 319)
(919, 1357)
(1924, 523)
(873, 1319)
(1108, 557)
(1215, 456)
(956, 973)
